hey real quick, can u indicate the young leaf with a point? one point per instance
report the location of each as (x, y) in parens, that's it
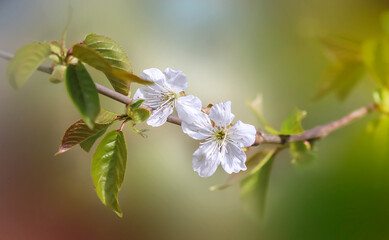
(292, 124)
(254, 163)
(136, 104)
(110, 50)
(381, 97)
(83, 93)
(119, 78)
(341, 49)
(58, 74)
(80, 133)
(108, 168)
(376, 57)
(253, 189)
(25, 62)
(139, 115)
(301, 152)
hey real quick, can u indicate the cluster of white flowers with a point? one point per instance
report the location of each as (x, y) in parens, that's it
(222, 141)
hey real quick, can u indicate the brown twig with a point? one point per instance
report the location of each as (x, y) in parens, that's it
(314, 133)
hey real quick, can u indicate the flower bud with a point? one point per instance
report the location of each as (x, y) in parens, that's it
(58, 74)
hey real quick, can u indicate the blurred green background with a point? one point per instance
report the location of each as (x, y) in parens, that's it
(230, 50)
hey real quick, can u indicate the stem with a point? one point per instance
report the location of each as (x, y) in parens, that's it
(314, 133)
(122, 125)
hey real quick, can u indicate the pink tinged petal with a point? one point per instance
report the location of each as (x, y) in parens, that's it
(176, 80)
(200, 128)
(221, 114)
(243, 134)
(206, 159)
(187, 107)
(153, 74)
(159, 115)
(234, 159)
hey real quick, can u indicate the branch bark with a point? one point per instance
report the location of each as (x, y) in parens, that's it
(312, 134)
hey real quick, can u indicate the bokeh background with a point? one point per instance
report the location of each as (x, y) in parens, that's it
(230, 50)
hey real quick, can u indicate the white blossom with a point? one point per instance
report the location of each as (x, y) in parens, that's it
(222, 142)
(165, 94)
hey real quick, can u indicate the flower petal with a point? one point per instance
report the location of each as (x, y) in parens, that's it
(187, 107)
(221, 114)
(153, 74)
(159, 115)
(206, 159)
(176, 80)
(234, 159)
(199, 128)
(154, 95)
(243, 134)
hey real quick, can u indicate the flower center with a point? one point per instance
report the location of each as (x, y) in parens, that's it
(220, 135)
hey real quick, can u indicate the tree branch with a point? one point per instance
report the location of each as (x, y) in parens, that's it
(314, 133)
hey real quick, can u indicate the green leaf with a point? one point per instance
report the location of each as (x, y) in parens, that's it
(83, 93)
(340, 77)
(254, 188)
(57, 54)
(376, 58)
(120, 79)
(25, 62)
(253, 163)
(80, 133)
(139, 115)
(110, 50)
(292, 124)
(88, 143)
(108, 168)
(136, 104)
(301, 152)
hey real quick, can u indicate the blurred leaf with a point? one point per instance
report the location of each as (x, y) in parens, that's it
(341, 49)
(385, 21)
(83, 93)
(26, 60)
(341, 78)
(253, 189)
(119, 78)
(381, 97)
(301, 152)
(256, 105)
(108, 168)
(80, 133)
(58, 74)
(376, 57)
(253, 164)
(136, 104)
(140, 132)
(292, 124)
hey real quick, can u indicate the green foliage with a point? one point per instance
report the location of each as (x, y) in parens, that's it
(292, 124)
(375, 54)
(254, 188)
(301, 152)
(26, 60)
(385, 21)
(108, 168)
(80, 133)
(83, 93)
(256, 106)
(119, 78)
